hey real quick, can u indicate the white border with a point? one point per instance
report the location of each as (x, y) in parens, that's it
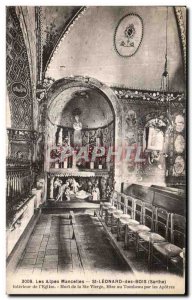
(3, 4)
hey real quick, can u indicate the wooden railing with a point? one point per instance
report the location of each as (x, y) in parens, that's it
(19, 182)
(21, 172)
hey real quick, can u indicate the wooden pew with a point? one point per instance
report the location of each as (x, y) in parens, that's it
(159, 197)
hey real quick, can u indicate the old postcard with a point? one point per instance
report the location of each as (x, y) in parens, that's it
(96, 150)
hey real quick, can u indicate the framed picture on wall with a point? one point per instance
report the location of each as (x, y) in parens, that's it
(155, 139)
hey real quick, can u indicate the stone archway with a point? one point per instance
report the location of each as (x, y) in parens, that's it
(77, 81)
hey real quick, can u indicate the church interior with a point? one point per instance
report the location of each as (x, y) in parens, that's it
(96, 139)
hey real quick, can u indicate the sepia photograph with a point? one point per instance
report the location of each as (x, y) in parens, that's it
(96, 117)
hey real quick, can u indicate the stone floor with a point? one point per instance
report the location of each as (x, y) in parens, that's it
(50, 247)
(96, 251)
(53, 248)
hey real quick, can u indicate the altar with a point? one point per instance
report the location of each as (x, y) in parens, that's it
(79, 137)
(90, 181)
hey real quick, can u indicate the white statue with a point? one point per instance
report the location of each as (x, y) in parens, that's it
(75, 186)
(95, 193)
(77, 125)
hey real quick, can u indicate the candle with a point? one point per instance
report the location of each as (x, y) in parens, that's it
(65, 163)
(69, 142)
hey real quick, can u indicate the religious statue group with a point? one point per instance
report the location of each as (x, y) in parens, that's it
(71, 188)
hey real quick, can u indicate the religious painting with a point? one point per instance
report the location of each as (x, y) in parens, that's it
(179, 143)
(179, 123)
(155, 139)
(130, 131)
(179, 166)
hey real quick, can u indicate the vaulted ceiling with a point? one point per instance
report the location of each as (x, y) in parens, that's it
(88, 49)
(80, 41)
(54, 20)
(94, 109)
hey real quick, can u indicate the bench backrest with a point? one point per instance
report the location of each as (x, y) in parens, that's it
(172, 202)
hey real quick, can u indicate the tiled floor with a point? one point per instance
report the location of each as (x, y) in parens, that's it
(97, 253)
(52, 246)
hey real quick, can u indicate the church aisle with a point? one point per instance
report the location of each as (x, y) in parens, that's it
(97, 253)
(50, 247)
(53, 248)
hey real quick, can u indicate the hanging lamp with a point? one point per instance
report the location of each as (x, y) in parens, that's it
(165, 75)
